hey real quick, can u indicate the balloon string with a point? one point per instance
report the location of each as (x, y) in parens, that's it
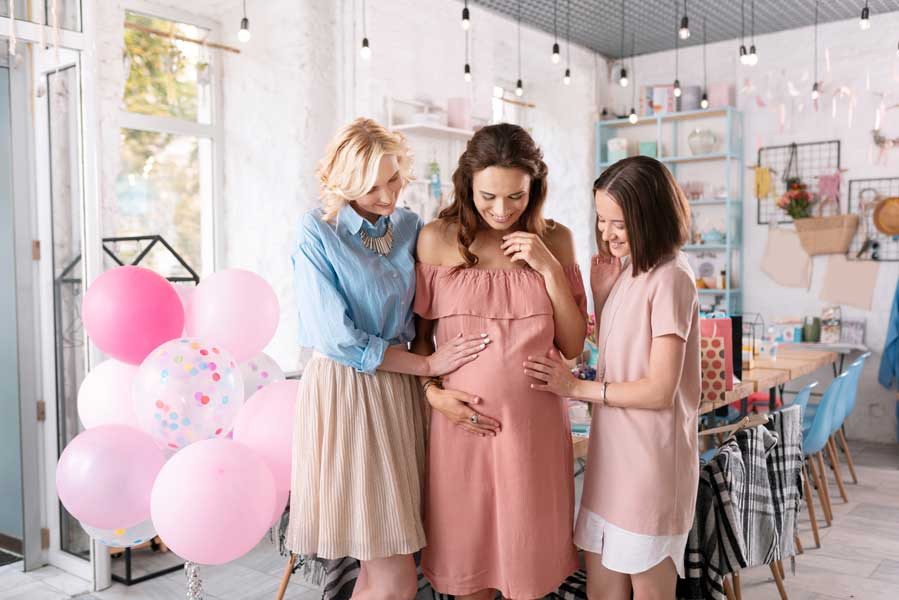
(194, 584)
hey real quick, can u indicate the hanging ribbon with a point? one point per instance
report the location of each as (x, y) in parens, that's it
(194, 584)
(12, 27)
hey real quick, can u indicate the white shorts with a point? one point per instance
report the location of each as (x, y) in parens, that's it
(624, 551)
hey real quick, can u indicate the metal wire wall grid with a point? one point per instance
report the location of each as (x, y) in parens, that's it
(863, 194)
(810, 160)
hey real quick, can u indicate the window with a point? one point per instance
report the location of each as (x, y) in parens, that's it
(166, 179)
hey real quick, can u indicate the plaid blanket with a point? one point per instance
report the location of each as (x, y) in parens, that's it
(785, 475)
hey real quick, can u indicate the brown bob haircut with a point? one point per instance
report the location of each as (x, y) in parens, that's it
(656, 212)
(502, 145)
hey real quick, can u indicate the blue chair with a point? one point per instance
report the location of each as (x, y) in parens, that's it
(815, 437)
(850, 396)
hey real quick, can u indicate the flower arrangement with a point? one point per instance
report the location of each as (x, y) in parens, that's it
(796, 201)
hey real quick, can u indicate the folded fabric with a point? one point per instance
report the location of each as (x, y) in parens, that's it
(785, 475)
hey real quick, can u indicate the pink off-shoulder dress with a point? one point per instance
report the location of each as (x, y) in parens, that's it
(499, 511)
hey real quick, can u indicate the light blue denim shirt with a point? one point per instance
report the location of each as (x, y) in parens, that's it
(353, 302)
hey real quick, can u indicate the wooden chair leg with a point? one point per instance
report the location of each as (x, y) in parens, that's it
(823, 489)
(285, 578)
(848, 454)
(798, 544)
(835, 463)
(811, 507)
(728, 589)
(738, 586)
(778, 581)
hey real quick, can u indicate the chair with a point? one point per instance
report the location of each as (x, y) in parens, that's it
(815, 437)
(851, 395)
(801, 400)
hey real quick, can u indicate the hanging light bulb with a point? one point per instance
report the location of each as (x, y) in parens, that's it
(467, 72)
(244, 34)
(622, 79)
(365, 50)
(567, 79)
(684, 31)
(556, 56)
(815, 93)
(466, 17)
(865, 21)
(753, 58)
(677, 90)
(897, 50)
(744, 56)
(704, 103)
(633, 116)
(519, 88)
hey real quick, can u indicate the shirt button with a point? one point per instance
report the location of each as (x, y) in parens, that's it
(396, 275)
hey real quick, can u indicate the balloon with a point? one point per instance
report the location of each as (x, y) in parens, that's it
(265, 425)
(128, 311)
(258, 372)
(104, 397)
(280, 504)
(187, 390)
(186, 294)
(237, 309)
(105, 475)
(122, 537)
(213, 501)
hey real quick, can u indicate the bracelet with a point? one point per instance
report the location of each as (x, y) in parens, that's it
(605, 385)
(432, 381)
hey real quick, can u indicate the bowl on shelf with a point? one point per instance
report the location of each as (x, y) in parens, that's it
(713, 236)
(702, 141)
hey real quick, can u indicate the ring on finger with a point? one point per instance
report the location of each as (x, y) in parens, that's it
(474, 418)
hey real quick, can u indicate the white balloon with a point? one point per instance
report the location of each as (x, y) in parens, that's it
(258, 372)
(123, 537)
(104, 397)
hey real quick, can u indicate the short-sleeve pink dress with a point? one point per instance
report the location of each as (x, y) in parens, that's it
(643, 465)
(498, 510)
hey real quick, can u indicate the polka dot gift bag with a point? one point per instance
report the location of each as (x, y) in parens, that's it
(717, 361)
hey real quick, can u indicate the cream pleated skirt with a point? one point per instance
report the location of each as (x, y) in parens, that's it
(358, 463)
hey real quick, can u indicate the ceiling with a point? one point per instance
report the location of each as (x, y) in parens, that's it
(596, 24)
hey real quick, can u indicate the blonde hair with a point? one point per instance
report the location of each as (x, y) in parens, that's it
(349, 168)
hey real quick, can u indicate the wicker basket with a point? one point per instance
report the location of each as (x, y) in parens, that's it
(827, 235)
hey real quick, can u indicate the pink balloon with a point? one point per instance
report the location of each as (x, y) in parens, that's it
(213, 501)
(105, 475)
(186, 293)
(265, 425)
(237, 309)
(128, 311)
(104, 397)
(280, 504)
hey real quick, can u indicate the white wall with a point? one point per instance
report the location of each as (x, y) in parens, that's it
(787, 56)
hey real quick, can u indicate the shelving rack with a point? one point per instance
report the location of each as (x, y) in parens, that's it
(668, 138)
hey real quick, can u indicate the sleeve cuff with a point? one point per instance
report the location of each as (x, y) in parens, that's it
(373, 355)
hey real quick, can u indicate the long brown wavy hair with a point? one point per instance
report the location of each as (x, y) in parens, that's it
(503, 145)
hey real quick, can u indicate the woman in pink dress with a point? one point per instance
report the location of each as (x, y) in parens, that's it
(499, 501)
(643, 464)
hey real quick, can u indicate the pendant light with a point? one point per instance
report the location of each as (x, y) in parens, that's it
(244, 34)
(704, 102)
(466, 17)
(677, 88)
(467, 69)
(567, 78)
(815, 92)
(365, 50)
(684, 32)
(865, 21)
(744, 56)
(633, 116)
(519, 86)
(622, 76)
(753, 56)
(556, 57)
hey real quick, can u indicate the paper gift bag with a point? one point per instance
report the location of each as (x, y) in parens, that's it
(716, 348)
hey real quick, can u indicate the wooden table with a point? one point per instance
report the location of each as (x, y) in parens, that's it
(792, 362)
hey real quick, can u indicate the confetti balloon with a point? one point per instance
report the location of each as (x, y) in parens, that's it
(122, 537)
(187, 390)
(258, 372)
(104, 397)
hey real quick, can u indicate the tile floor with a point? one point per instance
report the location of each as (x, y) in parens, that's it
(858, 558)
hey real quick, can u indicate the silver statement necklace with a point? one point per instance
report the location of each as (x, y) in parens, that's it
(381, 244)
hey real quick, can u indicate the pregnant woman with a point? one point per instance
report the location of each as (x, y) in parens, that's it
(499, 502)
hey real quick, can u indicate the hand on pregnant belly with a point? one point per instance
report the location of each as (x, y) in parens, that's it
(551, 373)
(456, 352)
(456, 407)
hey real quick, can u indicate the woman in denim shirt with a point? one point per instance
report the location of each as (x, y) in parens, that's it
(359, 435)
